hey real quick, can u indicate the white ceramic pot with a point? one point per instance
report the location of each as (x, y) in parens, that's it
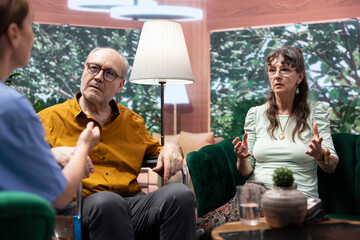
(284, 207)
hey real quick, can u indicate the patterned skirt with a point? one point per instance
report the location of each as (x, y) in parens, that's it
(229, 212)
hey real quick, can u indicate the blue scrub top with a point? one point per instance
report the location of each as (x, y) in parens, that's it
(26, 161)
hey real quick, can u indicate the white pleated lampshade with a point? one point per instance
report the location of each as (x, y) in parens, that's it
(161, 55)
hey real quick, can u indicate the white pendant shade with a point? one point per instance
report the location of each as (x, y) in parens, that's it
(141, 10)
(161, 55)
(97, 5)
(146, 12)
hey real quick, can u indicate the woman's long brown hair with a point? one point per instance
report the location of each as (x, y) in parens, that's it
(293, 57)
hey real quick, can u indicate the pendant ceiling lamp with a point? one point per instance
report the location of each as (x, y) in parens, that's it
(142, 10)
(97, 5)
(150, 10)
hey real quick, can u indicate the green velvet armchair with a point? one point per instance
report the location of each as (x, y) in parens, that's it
(215, 177)
(25, 216)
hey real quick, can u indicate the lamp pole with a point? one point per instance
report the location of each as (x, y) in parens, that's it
(162, 84)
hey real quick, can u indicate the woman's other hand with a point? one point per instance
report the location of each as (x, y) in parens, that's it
(316, 151)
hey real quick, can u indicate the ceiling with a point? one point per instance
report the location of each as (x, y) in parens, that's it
(219, 15)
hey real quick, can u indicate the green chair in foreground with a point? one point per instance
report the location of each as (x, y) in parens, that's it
(25, 216)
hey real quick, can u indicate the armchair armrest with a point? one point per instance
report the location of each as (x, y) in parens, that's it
(151, 161)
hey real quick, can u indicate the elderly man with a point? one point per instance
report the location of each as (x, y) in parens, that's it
(114, 206)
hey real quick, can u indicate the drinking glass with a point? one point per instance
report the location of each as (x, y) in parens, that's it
(248, 197)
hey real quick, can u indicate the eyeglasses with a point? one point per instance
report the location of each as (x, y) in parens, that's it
(108, 74)
(284, 71)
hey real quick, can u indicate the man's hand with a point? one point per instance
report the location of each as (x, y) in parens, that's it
(170, 161)
(64, 154)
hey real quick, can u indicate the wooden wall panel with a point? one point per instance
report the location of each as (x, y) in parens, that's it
(57, 12)
(198, 43)
(237, 14)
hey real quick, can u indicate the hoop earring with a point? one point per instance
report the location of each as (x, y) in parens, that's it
(297, 89)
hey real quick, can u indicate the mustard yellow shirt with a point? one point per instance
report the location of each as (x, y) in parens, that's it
(118, 156)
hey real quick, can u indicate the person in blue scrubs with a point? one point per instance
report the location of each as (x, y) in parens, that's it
(26, 161)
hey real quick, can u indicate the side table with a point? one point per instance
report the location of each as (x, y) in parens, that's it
(327, 229)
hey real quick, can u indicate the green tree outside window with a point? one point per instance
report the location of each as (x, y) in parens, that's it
(238, 79)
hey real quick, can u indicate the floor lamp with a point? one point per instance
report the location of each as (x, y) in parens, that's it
(161, 58)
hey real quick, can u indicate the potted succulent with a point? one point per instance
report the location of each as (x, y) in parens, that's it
(284, 205)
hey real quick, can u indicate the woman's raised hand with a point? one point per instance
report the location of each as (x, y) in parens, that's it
(241, 148)
(89, 137)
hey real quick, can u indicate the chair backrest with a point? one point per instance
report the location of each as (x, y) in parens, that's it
(340, 191)
(214, 175)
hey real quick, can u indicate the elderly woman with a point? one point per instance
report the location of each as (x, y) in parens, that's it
(288, 130)
(26, 162)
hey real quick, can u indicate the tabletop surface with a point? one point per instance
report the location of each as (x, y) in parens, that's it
(327, 229)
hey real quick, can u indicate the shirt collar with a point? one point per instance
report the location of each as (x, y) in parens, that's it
(78, 112)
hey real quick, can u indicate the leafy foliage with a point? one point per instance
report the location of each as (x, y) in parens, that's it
(238, 79)
(9, 81)
(53, 74)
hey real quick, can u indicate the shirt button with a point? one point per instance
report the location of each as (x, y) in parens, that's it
(101, 139)
(107, 173)
(103, 158)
